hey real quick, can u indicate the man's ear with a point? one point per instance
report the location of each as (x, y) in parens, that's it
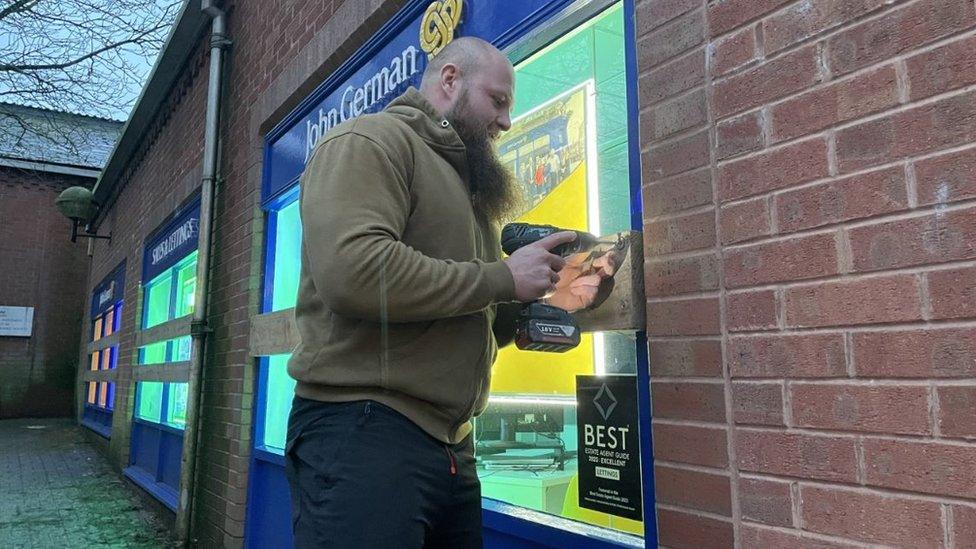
(450, 75)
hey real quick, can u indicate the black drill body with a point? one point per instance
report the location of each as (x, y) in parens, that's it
(543, 327)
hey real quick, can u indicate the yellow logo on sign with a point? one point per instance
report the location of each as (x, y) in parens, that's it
(437, 26)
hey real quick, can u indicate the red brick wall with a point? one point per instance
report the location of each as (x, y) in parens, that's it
(40, 268)
(809, 183)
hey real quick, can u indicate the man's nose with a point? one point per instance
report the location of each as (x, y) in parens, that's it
(504, 122)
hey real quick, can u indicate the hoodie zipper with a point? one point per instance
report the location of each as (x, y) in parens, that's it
(469, 409)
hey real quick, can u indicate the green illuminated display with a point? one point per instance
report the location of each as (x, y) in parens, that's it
(279, 392)
(168, 296)
(287, 259)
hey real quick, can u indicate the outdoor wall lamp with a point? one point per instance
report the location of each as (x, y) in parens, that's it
(76, 204)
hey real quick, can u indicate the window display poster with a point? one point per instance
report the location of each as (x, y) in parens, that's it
(609, 445)
(546, 151)
(16, 321)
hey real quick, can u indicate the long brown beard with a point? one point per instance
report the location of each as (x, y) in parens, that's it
(494, 194)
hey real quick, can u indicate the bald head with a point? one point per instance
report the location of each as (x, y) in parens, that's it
(472, 74)
(467, 53)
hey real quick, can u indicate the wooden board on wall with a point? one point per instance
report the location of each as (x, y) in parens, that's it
(623, 307)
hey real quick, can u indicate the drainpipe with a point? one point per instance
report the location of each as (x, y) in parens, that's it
(198, 326)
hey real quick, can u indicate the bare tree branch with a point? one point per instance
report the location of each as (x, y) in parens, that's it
(82, 56)
(17, 7)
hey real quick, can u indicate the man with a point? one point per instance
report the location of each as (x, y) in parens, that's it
(402, 302)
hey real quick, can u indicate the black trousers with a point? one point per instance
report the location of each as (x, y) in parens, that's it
(362, 475)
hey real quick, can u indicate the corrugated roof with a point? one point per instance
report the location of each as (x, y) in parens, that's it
(54, 137)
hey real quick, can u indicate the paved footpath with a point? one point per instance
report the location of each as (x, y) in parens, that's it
(57, 491)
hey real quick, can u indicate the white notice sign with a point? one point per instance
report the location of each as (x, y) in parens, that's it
(16, 321)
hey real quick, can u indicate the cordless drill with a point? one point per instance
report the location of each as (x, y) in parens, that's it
(543, 327)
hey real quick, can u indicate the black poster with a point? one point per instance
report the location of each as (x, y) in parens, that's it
(609, 445)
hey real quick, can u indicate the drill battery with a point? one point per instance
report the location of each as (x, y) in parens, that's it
(546, 328)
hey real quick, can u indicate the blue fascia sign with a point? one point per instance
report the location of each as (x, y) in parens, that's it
(109, 291)
(173, 242)
(393, 60)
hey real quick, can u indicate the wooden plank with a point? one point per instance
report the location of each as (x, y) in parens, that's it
(273, 333)
(104, 343)
(99, 375)
(178, 327)
(620, 301)
(166, 371)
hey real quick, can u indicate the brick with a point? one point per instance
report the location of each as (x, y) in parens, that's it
(731, 52)
(796, 455)
(727, 15)
(678, 529)
(693, 358)
(953, 293)
(898, 31)
(678, 114)
(846, 199)
(676, 76)
(848, 303)
(803, 20)
(745, 220)
(697, 316)
(671, 39)
(936, 238)
(879, 409)
(787, 260)
(749, 311)
(680, 234)
(738, 135)
(957, 411)
(871, 517)
(764, 83)
(679, 155)
(757, 537)
(677, 276)
(688, 400)
(964, 526)
(687, 444)
(757, 403)
(943, 69)
(792, 356)
(945, 353)
(693, 489)
(654, 13)
(766, 501)
(834, 104)
(780, 168)
(678, 193)
(930, 468)
(946, 123)
(946, 178)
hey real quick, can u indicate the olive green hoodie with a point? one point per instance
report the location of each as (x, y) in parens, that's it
(399, 279)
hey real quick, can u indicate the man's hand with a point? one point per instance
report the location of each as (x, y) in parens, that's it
(580, 280)
(535, 270)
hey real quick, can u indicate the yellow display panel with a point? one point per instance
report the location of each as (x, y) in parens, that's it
(547, 150)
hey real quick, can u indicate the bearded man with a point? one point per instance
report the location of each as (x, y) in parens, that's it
(403, 301)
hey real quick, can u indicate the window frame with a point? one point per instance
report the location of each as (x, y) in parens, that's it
(171, 276)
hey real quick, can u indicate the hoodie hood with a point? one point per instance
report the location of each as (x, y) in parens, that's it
(414, 110)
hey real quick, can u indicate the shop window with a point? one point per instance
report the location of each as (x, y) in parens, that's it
(568, 148)
(166, 297)
(106, 315)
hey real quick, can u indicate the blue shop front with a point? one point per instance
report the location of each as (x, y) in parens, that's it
(563, 449)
